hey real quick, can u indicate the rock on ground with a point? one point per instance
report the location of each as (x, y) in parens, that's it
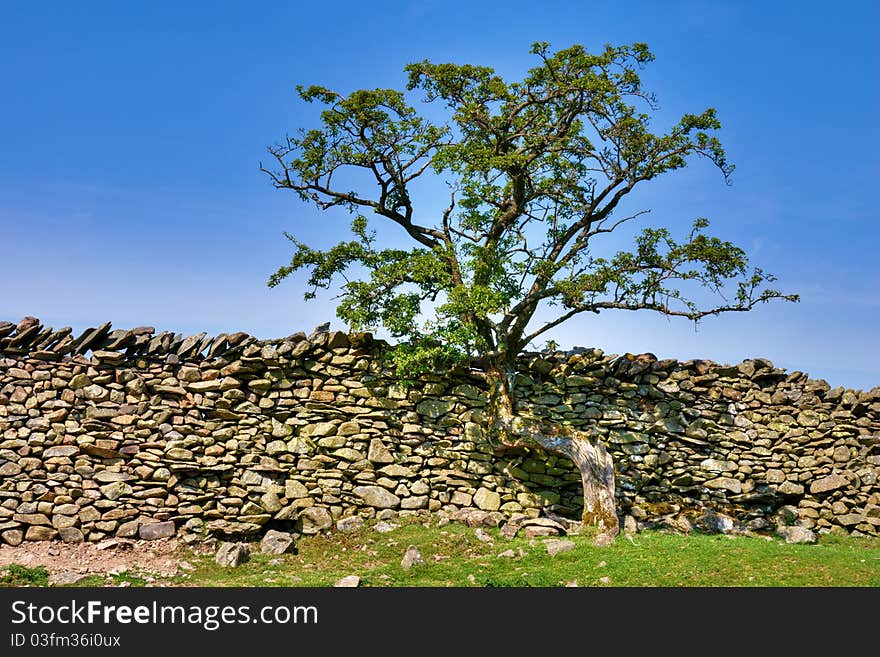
(275, 542)
(557, 546)
(348, 582)
(232, 554)
(411, 558)
(795, 534)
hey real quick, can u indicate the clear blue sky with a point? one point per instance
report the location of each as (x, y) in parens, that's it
(131, 134)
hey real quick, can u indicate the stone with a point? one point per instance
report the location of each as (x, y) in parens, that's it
(108, 476)
(411, 557)
(232, 554)
(349, 523)
(534, 531)
(61, 522)
(507, 554)
(315, 520)
(320, 429)
(295, 490)
(377, 497)
(775, 476)
(378, 453)
(116, 490)
(828, 484)
(725, 483)
(67, 578)
(557, 546)
(40, 533)
(155, 530)
(716, 523)
(129, 529)
(348, 582)
(414, 502)
(9, 469)
(96, 393)
(716, 465)
(12, 537)
(848, 519)
(79, 381)
(60, 450)
(487, 500)
(434, 408)
(71, 535)
(276, 542)
(796, 534)
(270, 502)
(790, 488)
(32, 518)
(481, 535)
(385, 527)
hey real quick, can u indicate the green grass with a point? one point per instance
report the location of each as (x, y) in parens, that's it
(455, 557)
(18, 575)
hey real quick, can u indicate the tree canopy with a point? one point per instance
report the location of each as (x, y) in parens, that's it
(537, 170)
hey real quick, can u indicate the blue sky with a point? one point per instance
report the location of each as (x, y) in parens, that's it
(131, 135)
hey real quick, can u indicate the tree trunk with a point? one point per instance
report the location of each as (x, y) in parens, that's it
(513, 429)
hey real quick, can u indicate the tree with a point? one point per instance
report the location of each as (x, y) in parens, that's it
(536, 171)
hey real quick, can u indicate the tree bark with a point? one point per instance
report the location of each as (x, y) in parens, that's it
(511, 429)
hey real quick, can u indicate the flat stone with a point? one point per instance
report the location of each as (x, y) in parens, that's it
(32, 518)
(71, 535)
(60, 451)
(828, 484)
(384, 527)
(155, 530)
(349, 523)
(725, 483)
(204, 386)
(348, 582)
(179, 454)
(434, 408)
(790, 488)
(557, 546)
(377, 497)
(129, 529)
(349, 454)
(109, 476)
(717, 465)
(39, 533)
(414, 502)
(275, 542)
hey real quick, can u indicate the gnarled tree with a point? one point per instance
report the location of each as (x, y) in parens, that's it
(536, 170)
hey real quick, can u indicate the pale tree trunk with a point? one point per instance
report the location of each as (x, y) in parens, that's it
(513, 429)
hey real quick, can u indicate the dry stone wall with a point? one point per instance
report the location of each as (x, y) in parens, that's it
(137, 433)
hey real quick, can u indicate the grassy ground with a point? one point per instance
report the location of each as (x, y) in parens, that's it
(454, 556)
